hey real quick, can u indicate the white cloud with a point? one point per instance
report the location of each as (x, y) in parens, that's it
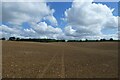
(16, 13)
(43, 28)
(46, 31)
(23, 0)
(19, 12)
(0, 12)
(87, 19)
(118, 21)
(8, 31)
(84, 20)
(52, 20)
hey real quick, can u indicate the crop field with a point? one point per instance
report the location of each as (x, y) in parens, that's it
(59, 59)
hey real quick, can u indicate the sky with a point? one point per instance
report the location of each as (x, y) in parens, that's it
(60, 20)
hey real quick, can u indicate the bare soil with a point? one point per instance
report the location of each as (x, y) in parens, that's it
(59, 60)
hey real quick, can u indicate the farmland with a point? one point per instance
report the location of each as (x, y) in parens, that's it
(59, 59)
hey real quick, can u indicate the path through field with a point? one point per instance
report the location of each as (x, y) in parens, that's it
(59, 60)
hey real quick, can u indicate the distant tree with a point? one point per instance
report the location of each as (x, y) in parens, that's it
(62, 40)
(80, 41)
(3, 39)
(104, 39)
(86, 40)
(101, 39)
(17, 39)
(12, 38)
(111, 39)
(96, 40)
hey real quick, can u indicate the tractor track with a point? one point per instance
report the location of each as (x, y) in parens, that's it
(47, 67)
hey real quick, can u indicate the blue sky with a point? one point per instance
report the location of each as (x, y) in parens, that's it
(60, 8)
(39, 21)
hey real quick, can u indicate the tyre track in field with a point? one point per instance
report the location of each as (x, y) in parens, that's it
(63, 66)
(63, 63)
(47, 67)
(51, 62)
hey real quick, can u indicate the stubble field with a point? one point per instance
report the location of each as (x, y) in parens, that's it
(59, 60)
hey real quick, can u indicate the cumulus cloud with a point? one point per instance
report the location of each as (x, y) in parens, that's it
(44, 28)
(87, 19)
(46, 31)
(16, 13)
(41, 30)
(19, 12)
(52, 20)
(8, 31)
(23, 0)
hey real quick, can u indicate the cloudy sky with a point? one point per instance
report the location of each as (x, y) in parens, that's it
(60, 20)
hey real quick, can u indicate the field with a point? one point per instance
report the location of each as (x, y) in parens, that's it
(59, 60)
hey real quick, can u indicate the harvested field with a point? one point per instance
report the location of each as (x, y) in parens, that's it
(59, 60)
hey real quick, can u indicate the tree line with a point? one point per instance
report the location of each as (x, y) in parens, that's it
(33, 39)
(54, 40)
